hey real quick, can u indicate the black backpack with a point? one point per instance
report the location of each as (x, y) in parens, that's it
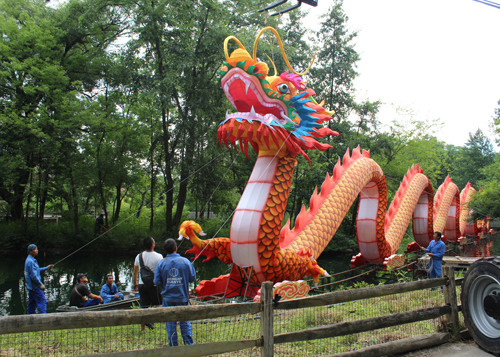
(147, 275)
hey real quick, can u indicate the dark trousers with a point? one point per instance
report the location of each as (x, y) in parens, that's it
(92, 302)
(37, 299)
(149, 296)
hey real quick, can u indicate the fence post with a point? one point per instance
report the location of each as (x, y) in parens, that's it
(450, 298)
(266, 319)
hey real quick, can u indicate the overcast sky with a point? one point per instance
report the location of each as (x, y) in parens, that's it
(440, 58)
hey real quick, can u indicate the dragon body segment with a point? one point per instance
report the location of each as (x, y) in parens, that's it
(466, 226)
(446, 210)
(280, 119)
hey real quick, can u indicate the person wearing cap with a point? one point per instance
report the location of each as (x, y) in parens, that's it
(81, 295)
(173, 275)
(436, 250)
(34, 282)
(109, 291)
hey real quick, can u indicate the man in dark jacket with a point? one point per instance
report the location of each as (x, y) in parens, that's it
(81, 295)
(173, 275)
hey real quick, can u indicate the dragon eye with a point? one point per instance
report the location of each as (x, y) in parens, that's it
(283, 88)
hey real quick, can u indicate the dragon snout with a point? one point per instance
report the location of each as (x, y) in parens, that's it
(181, 237)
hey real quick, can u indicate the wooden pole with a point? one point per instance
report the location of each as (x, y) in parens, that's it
(450, 298)
(266, 319)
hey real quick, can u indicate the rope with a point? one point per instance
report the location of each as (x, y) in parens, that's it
(347, 279)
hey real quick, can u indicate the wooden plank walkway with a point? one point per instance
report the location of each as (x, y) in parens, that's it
(456, 262)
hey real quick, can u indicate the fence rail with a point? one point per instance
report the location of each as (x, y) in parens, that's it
(73, 320)
(267, 310)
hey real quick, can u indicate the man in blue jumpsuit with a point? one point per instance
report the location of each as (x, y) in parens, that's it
(435, 251)
(34, 282)
(173, 275)
(109, 291)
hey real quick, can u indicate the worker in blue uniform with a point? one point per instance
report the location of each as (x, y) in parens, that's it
(435, 250)
(109, 291)
(34, 282)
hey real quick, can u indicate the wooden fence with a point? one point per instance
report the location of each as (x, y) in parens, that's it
(60, 321)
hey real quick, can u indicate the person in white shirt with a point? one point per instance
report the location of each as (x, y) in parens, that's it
(148, 295)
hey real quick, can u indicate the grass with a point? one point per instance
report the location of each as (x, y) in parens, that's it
(128, 338)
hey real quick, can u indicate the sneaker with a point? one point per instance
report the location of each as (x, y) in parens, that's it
(150, 326)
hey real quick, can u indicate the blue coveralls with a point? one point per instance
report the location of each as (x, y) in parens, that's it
(437, 249)
(33, 280)
(173, 274)
(108, 294)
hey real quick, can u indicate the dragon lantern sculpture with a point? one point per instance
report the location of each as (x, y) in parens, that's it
(278, 116)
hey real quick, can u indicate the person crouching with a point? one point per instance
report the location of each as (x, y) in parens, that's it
(109, 291)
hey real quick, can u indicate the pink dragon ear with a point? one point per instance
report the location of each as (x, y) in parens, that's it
(296, 80)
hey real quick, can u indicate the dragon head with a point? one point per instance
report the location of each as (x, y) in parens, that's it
(274, 114)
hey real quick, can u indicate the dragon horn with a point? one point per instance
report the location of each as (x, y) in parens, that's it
(274, 66)
(226, 42)
(269, 28)
(202, 233)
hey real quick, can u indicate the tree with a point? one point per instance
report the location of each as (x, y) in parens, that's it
(485, 203)
(46, 56)
(335, 70)
(476, 154)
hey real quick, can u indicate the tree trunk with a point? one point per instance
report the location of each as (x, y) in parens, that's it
(87, 204)
(143, 202)
(15, 198)
(153, 182)
(169, 182)
(181, 197)
(37, 234)
(44, 194)
(131, 205)
(119, 199)
(101, 179)
(28, 199)
(76, 215)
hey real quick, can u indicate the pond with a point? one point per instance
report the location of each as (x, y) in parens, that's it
(60, 280)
